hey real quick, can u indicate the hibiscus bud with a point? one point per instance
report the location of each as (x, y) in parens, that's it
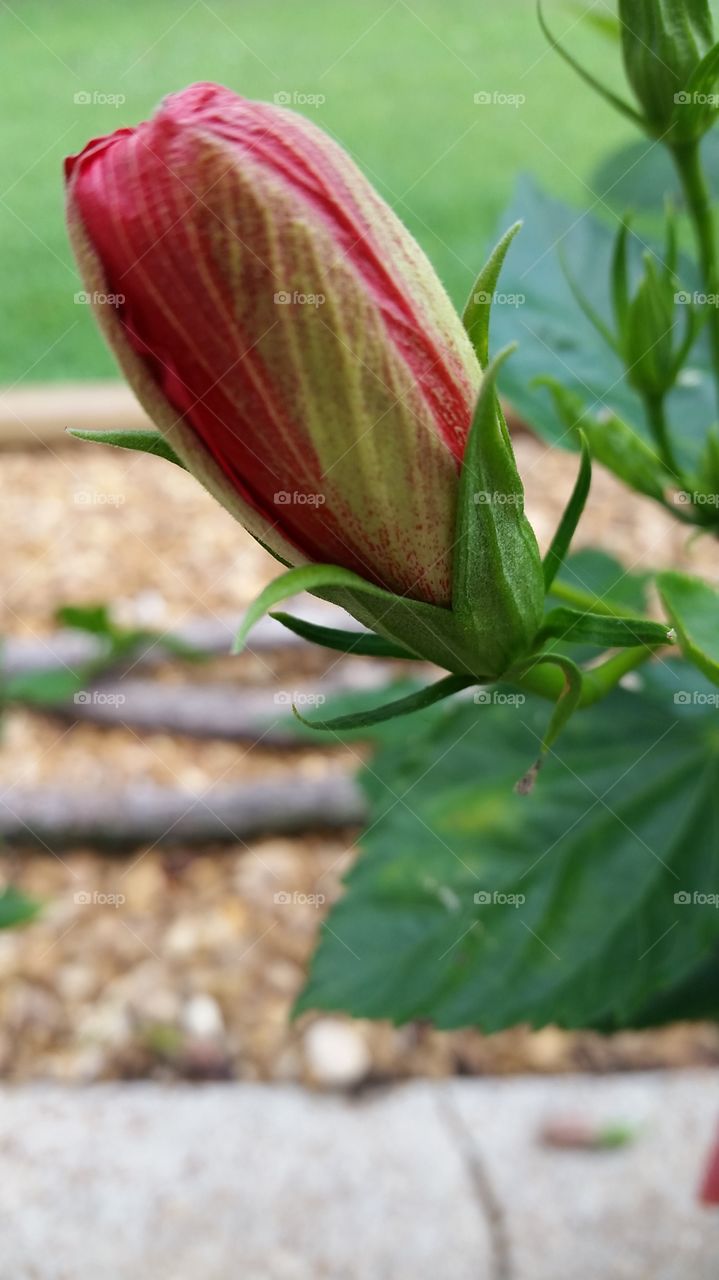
(284, 331)
(665, 46)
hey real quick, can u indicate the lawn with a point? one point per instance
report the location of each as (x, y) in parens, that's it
(398, 81)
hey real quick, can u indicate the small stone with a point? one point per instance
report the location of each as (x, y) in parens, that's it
(202, 1018)
(336, 1054)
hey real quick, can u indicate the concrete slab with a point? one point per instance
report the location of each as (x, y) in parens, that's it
(603, 1215)
(229, 1182)
(428, 1181)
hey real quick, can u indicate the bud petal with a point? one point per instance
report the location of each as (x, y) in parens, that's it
(284, 330)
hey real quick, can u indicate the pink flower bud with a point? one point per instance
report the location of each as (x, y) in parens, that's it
(284, 330)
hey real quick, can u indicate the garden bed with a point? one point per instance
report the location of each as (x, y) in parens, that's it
(194, 974)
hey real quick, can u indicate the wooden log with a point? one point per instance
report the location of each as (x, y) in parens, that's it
(231, 713)
(211, 637)
(57, 818)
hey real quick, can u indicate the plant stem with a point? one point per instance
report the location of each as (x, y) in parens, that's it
(687, 159)
(597, 683)
(585, 600)
(659, 427)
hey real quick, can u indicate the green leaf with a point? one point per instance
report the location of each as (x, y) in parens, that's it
(43, 688)
(581, 928)
(16, 908)
(572, 514)
(418, 701)
(557, 339)
(143, 441)
(498, 585)
(477, 312)
(641, 176)
(693, 607)
(590, 628)
(343, 641)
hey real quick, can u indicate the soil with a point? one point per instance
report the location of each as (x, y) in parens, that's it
(184, 964)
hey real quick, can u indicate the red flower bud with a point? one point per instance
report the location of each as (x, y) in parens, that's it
(284, 330)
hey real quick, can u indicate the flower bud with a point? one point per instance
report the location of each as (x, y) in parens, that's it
(665, 46)
(284, 331)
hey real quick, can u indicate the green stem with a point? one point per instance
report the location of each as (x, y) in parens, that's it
(687, 159)
(586, 601)
(659, 427)
(549, 683)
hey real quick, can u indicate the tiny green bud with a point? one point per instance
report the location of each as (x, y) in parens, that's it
(670, 63)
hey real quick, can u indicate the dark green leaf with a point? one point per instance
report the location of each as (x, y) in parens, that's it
(625, 818)
(16, 908)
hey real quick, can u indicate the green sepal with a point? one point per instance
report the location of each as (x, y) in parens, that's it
(572, 514)
(422, 630)
(586, 307)
(612, 443)
(692, 119)
(141, 441)
(613, 99)
(564, 708)
(476, 315)
(357, 642)
(417, 701)
(693, 609)
(587, 628)
(498, 584)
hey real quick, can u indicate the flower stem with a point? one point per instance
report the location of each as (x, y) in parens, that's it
(659, 427)
(687, 160)
(598, 681)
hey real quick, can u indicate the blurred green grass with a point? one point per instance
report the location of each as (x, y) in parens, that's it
(398, 76)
